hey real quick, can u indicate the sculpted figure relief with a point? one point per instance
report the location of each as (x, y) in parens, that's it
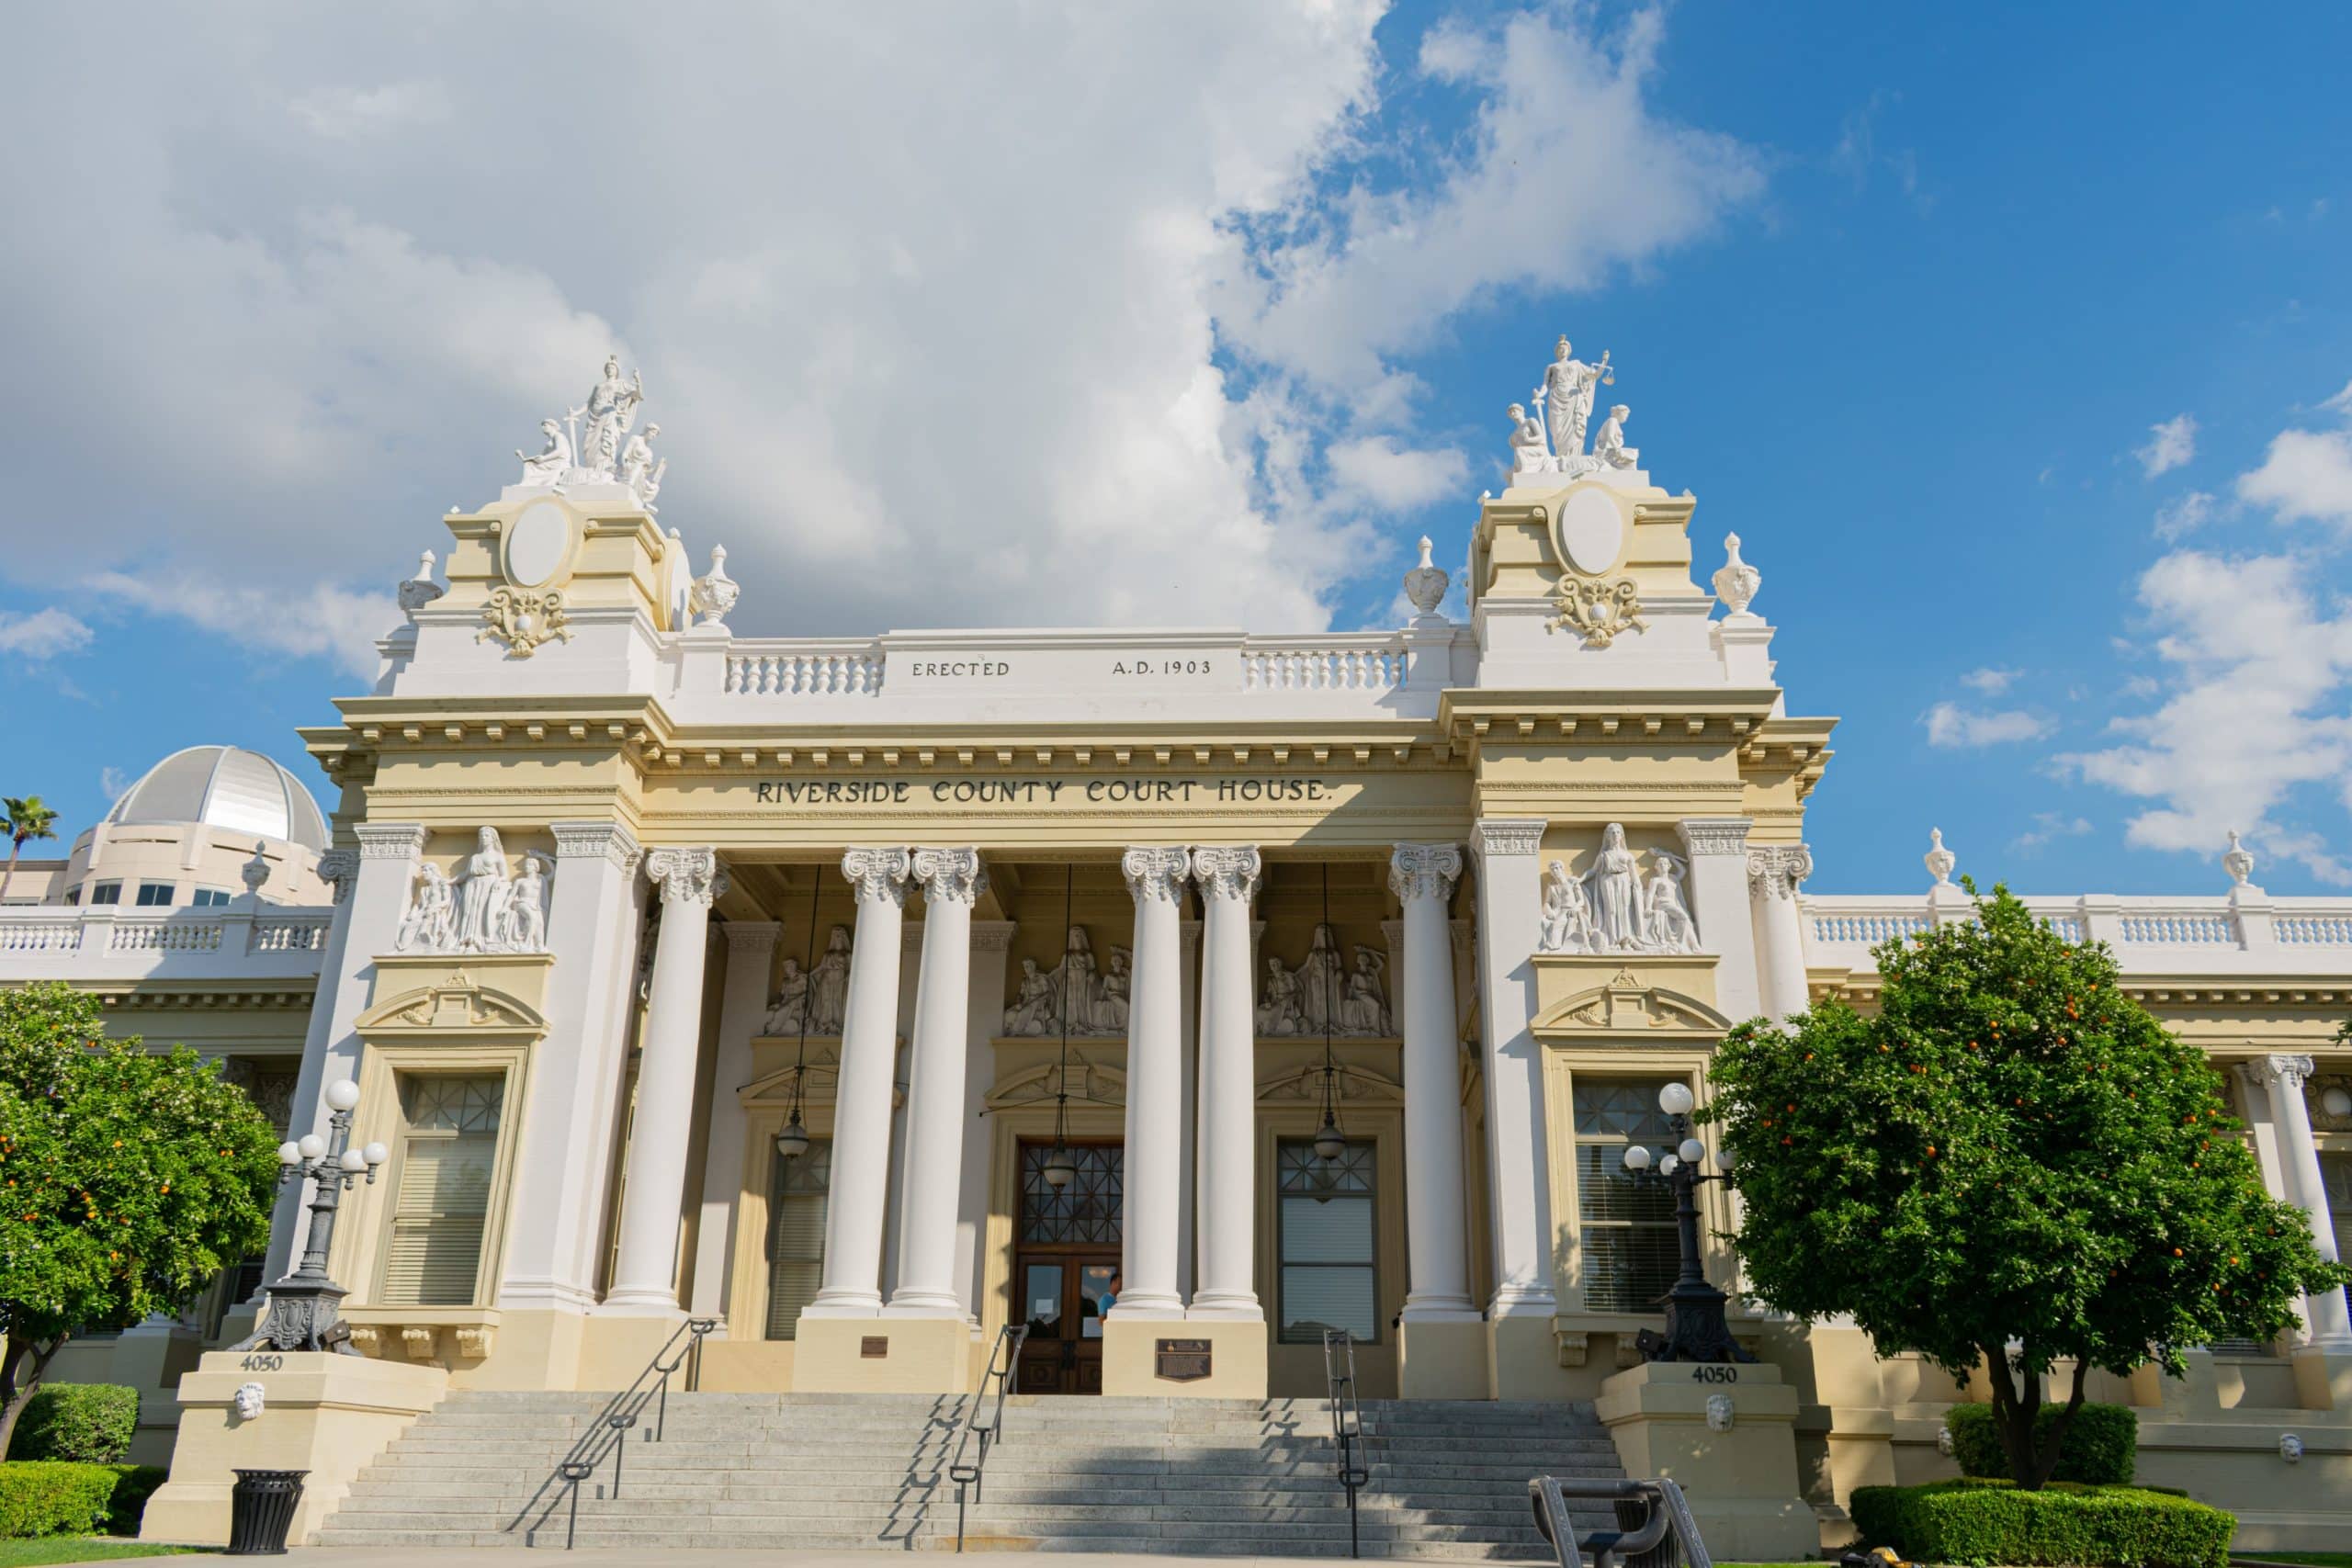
(1609, 441)
(1611, 909)
(790, 1014)
(1529, 455)
(1365, 1009)
(610, 410)
(1322, 981)
(486, 909)
(430, 923)
(1567, 397)
(1031, 1012)
(548, 469)
(829, 987)
(1278, 1008)
(1114, 990)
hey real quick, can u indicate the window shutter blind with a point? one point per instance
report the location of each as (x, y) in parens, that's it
(796, 1264)
(438, 1219)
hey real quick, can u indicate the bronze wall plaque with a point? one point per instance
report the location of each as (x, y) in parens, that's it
(873, 1347)
(1182, 1361)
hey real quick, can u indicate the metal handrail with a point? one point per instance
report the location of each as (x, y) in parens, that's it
(1347, 1421)
(968, 1473)
(1665, 1520)
(606, 1433)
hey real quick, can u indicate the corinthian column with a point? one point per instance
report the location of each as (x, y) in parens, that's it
(1155, 1086)
(1228, 1103)
(645, 1270)
(951, 880)
(1774, 873)
(1517, 1153)
(861, 1175)
(1438, 1268)
(2324, 1314)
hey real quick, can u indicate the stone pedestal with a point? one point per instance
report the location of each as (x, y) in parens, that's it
(882, 1355)
(328, 1414)
(1443, 1357)
(2323, 1378)
(1741, 1479)
(1132, 1363)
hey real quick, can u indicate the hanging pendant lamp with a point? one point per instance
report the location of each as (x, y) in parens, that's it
(1330, 1143)
(1060, 1167)
(793, 1141)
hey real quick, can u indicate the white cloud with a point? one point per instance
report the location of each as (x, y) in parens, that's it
(2254, 707)
(340, 113)
(2048, 827)
(2171, 445)
(44, 634)
(938, 321)
(1990, 681)
(1950, 724)
(112, 781)
(2184, 515)
(2307, 474)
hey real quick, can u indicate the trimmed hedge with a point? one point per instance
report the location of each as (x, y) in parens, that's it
(87, 1423)
(1980, 1522)
(53, 1497)
(2102, 1443)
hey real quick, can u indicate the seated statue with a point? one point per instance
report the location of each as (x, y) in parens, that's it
(547, 467)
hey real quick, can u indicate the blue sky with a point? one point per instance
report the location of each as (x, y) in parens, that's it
(1902, 296)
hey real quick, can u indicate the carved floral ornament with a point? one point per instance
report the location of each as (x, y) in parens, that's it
(1627, 1003)
(523, 618)
(456, 1003)
(1597, 611)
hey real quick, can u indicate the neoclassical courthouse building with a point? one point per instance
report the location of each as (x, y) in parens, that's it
(867, 994)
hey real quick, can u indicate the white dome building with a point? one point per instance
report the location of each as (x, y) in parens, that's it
(184, 833)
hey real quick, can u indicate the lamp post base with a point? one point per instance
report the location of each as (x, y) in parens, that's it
(1695, 1328)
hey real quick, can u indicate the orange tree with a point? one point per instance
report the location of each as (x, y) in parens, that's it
(2010, 1164)
(130, 1180)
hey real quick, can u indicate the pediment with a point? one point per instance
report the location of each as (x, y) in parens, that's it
(456, 1003)
(1627, 1005)
(823, 1072)
(1090, 1083)
(1354, 1086)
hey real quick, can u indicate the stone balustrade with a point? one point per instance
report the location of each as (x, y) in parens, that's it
(114, 944)
(2150, 936)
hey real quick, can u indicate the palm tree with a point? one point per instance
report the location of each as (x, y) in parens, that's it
(28, 818)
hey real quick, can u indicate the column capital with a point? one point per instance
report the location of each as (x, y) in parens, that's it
(1496, 838)
(390, 840)
(590, 840)
(951, 875)
(1713, 835)
(1156, 872)
(2290, 1072)
(339, 869)
(1775, 870)
(1427, 871)
(1227, 873)
(686, 874)
(879, 874)
(750, 936)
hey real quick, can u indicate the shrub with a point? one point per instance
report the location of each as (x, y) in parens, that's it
(53, 1497)
(2102, 1443)
(1978, 1522)
(87, 1423)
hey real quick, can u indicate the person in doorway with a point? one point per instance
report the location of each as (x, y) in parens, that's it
(1110, 1296)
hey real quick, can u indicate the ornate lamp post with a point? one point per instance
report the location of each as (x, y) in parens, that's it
(302, 1305)
(1695, 1330)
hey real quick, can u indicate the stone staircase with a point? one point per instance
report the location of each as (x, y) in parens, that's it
(1208, 1477)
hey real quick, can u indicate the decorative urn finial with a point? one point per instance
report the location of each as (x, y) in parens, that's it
(714, 594)
(418, 592)
(256, 871)
(1939, 861)
(1425, 585)
(2238, 861)
(1737, 582)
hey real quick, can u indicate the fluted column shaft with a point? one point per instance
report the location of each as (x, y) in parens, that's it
(861, 1171)
(1155, 1086)
(1227, 1209)
(951, 880)
(1437, 1262)
(645, 1269)
(2325, 1314)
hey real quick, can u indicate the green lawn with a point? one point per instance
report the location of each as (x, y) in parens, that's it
(80, 1549)
(2315, 1559)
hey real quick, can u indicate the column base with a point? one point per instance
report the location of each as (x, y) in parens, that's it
(1524, 1356)
(1132, 1365)
(1441, 1357)
(1138, 1308)
(945, 1305)
(641, 1304)
(1741, 1480)
(1225, 1309)
(2323, 1377)
(882, 1355)
(328, 1414)
(847, 1306)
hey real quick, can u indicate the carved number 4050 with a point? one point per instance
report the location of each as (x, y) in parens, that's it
(264, 1363)
(1714, 1374)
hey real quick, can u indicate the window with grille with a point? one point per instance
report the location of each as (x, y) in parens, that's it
(1627, 1231)
(796, 1235)
(1088, 1210)
(441, 1203)
(1326, 1242)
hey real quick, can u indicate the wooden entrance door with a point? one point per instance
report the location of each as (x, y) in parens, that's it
(1065, 1266)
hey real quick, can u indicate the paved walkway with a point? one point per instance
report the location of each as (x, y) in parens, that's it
(508, 1557)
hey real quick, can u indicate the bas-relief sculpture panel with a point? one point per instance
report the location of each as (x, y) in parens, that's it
(490, 906)
(1612, 908)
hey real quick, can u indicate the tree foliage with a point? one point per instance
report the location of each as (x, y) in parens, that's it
(128, 1179)
(23, 817)
(2011, 1164)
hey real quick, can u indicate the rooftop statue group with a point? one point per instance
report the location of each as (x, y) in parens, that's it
(1611, 909)
(611, 451)
(489, 906)
(1555, 444)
